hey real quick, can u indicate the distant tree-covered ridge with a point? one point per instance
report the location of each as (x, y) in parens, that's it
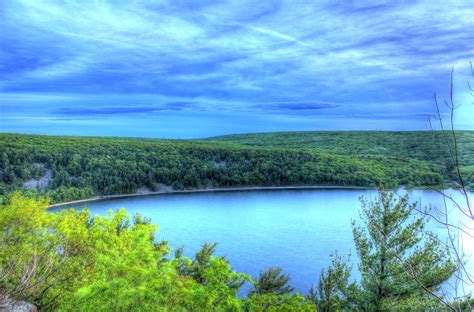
(68, 168)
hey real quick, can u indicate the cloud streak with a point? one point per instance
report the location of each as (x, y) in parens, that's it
(280, 57)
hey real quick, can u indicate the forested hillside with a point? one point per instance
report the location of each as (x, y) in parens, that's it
(67, 168)
(420, 145)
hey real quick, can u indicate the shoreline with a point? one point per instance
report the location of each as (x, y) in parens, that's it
(210, 190)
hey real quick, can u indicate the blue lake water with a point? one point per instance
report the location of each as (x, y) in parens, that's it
(294, 229)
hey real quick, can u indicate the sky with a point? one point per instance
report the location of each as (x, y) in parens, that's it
(190, 69)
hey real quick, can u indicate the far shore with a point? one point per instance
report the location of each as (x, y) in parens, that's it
(208, 190)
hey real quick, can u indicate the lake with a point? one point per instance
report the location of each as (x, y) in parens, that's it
(293, 229)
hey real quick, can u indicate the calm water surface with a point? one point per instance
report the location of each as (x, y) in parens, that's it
(294, 229)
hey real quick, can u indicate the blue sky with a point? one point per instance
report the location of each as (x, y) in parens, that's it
(200, 68)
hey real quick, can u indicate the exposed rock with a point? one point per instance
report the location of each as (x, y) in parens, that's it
(10, 305)
(164, 188)
(41, 183)
(143, 190)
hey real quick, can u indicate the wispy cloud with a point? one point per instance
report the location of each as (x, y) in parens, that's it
(122, 110)
(281, 57)
(296, 106)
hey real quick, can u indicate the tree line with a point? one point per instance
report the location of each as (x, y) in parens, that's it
(81, 167)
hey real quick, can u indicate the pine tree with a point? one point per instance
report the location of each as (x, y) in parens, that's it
(272, 280)
(334, 291)
(401, 263)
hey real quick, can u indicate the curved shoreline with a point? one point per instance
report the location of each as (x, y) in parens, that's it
(210, 190)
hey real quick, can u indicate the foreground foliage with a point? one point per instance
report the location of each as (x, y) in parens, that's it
(402, 265)
(69, 168)
(68, 261)
(400, 262)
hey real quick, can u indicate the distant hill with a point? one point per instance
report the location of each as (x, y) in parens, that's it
(421, 145)
(67, 168)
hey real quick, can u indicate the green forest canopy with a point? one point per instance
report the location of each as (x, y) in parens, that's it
(69, 168)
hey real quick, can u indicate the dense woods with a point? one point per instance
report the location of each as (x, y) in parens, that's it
(68, 168)
(434, 147)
